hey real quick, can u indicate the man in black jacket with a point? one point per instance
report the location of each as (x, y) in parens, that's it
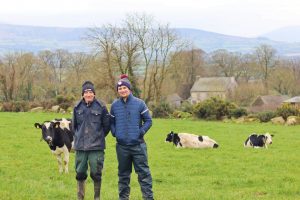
(91, 125)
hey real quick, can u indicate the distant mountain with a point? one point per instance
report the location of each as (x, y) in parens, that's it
(34, 39)
(285, 34)
(210, 41)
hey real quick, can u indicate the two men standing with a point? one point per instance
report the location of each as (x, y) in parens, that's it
(130, 120)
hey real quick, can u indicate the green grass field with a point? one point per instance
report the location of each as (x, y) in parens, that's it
(28, 170)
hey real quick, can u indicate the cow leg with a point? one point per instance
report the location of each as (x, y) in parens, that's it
(59, 161)
(66, 159)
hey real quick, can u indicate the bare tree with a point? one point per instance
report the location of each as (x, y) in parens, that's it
(145, 29)
(8, 76)
(227, 63)
(27, 66)
(248, 68)
(103, 39)
(295, 66)
(136, 44)
(58, 63)
(290, 76)
(186, 65)
(79, 62)
(118, 48)
(127, 52)
(16, 76)
(167, 42)
(4, 81)
(265, 55)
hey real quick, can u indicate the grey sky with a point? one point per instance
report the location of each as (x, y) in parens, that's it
(234, 17)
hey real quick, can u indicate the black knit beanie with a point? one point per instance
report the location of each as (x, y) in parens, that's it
(88, 85)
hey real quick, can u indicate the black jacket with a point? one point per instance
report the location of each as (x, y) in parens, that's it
(91, 123)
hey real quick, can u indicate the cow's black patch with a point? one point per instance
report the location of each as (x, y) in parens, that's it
(257, 140)
(200, 138)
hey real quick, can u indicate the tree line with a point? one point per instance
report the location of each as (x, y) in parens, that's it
(156, 59)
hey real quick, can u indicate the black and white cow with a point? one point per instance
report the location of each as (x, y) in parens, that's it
(187, 140)
(257, 141)
(59, 137)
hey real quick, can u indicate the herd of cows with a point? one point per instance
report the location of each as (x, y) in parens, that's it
(59, 136)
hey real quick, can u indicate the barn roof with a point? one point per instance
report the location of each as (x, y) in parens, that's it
(267, 103)
(269, 100)
(213, 84)
(173, 97)
(293, 100)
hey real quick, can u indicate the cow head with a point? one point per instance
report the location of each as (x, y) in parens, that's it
(173, 137)
(268, 138)
(48, 130)
(170, 137)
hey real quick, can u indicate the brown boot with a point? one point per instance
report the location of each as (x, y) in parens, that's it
(97, 188)
(80, 190)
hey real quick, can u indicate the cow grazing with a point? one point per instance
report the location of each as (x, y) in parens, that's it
(187, 140)
(257, 141)
(59, 137)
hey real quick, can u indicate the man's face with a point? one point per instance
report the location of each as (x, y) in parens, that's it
(123, 91)
(88, 96)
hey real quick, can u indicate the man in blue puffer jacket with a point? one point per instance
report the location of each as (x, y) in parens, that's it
(130, 122)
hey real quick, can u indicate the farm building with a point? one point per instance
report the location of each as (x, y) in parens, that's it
(267, 103)
(206, 87)
(295, 101)
(174, 100)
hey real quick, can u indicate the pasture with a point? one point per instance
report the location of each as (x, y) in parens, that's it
(28, 170)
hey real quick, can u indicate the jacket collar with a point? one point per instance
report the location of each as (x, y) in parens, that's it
(88, 104)
(130, 96)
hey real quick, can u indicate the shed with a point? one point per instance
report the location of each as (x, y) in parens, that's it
(267, 103)
(174, 100)
(295, 101)
(206, 87)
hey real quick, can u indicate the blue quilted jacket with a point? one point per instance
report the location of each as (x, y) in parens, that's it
(130, 120)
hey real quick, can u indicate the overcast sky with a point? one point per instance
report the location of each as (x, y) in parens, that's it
(248, 18)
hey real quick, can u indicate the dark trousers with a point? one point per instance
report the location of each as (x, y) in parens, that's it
(136, 155)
